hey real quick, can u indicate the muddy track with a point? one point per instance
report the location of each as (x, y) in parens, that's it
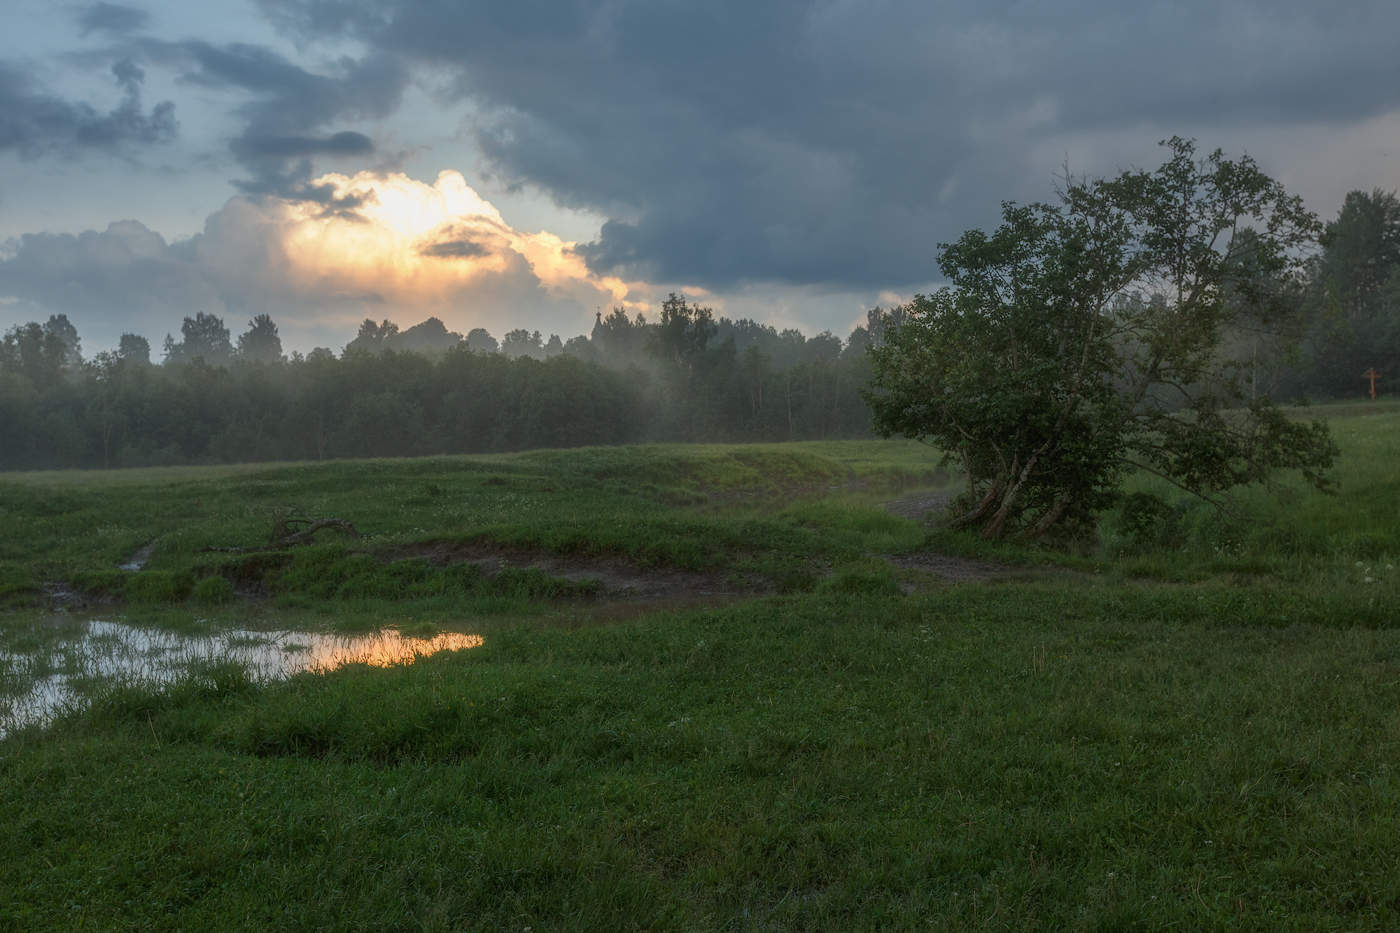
(619, 578)
(925, 508)
(624, 583)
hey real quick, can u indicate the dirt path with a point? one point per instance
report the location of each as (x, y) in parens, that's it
(925, 508)
(618, 578)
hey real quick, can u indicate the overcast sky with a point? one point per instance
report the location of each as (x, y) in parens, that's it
(527, 162)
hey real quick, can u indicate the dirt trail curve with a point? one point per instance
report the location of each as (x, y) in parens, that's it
(618, 578)
(923, 508)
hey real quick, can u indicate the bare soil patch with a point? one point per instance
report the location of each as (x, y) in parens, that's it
(957, 569)
(925, 507)
(620, 579)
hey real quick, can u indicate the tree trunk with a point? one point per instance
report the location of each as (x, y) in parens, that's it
(983, 507)
(997, 525)
(1048, 520)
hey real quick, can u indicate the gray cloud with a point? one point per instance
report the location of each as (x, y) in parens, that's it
(124, 272)
(130, 278)
(111, 18)
(838, 142)
(34, 122)
(286, 147)
(455, 249)
(285, 107)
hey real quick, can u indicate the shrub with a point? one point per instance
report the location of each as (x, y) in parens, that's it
(212, 591)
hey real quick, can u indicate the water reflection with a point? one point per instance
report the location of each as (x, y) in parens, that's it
(41, 684)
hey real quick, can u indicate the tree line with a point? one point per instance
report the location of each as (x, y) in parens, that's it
(684, 375)
(213, 398)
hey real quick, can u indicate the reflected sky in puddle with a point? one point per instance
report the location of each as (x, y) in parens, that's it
(110, 651)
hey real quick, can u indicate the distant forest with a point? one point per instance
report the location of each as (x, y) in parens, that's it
(685, 376)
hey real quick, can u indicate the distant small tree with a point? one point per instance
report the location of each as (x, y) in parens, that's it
(261, 342)
(427, 337)
(35, 352)
(684, 332)
(134, 350)
(61, 330)
(479, 340)
(824, 347)
(1080, 340)
(1356, 294)
(581, 348)
(617, 339)
(372, 337)
(521, 342)
(205, 338)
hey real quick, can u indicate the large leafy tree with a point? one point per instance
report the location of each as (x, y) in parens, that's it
(1082, 339)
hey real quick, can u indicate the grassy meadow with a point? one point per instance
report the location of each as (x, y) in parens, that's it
(716, 687)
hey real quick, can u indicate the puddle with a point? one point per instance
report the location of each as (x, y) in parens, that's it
(139, 560)
(110, 651)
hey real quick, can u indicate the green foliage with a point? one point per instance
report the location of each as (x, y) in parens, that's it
(16, 585)
(212, 591)
(102, 584)
(1083, 339)
(1149, 522)
(1353, 320)
(158, 586)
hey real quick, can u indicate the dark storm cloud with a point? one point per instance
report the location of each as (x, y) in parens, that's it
(840, 141)
(456, 249)
(286, 147)
(111, 18)
(286, 104)
(34, 122)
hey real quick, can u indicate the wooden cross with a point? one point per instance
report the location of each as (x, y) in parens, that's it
(1372, 375)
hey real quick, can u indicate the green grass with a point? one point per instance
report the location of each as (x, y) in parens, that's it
(1190, 723)
(1044, 756)
(702, 508)
(1288, 531)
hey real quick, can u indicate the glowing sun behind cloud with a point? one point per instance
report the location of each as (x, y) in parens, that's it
(413, 245)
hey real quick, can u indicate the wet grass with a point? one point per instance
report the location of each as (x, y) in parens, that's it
(1190, 723)
(703, 508)
(1042, 756)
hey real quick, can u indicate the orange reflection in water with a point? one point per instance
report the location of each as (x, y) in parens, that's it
(112, 651)
(382, 649)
